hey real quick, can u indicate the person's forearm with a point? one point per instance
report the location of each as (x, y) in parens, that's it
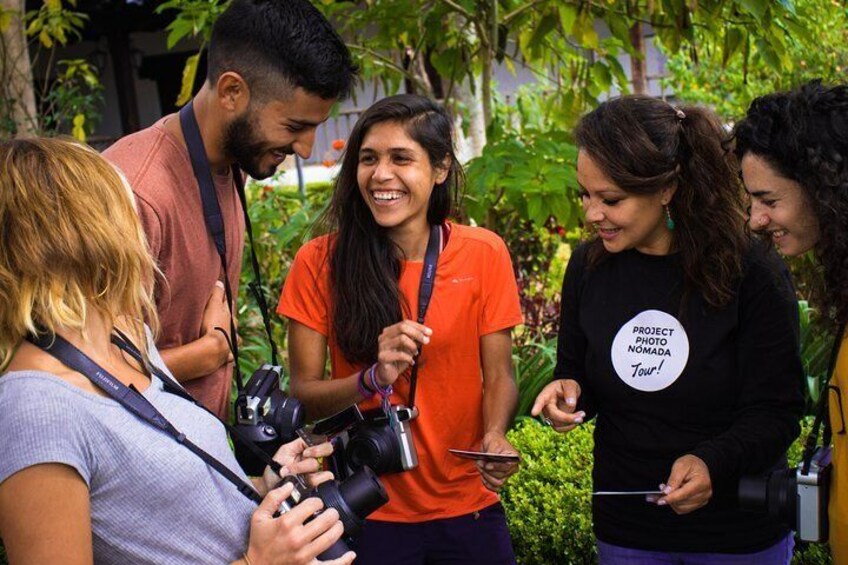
(259, 485)
(324, 398)
(195, 359)
(500, 401)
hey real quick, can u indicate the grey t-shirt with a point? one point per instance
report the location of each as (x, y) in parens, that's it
(152, 500)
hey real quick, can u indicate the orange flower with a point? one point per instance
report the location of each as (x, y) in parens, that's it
(329, 163)
(338, 144)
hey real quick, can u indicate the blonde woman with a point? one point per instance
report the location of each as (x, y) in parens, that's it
(82, 478)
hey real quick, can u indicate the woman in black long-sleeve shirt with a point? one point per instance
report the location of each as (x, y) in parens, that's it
(679, 334)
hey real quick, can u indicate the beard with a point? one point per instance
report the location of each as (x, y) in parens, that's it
(247, 148)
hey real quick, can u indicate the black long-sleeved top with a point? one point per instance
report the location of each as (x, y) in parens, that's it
(734, 400)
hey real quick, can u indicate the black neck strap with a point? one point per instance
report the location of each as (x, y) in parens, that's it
(215, 224)
(425, 293)
(821, 420)
(255, 285)
(134, 402)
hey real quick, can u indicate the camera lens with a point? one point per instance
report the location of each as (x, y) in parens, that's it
(354, 499)
(376, 447)
(774, 494)
(288, 417)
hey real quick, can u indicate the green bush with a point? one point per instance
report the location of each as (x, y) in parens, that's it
(548, 502)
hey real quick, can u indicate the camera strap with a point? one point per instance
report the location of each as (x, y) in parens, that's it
(215, 225)
(173, 387)
(133, 401)
(822, 421)
(425, 293)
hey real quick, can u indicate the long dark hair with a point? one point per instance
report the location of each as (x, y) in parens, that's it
(365, 265)
(645, 145)
(803, 134)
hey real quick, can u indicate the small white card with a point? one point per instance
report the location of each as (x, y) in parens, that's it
(627, 492)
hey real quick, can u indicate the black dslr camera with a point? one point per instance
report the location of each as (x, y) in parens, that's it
(266, 416)
(793, 496)
(379, 439)
(383, 441)
(354, 499)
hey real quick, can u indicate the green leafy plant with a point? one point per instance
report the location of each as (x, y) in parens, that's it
(527, 169)
(816, 344)
(548, 502)
(70, 93)
(812, 43)
(534, 368)
(72, 104)
(193, 19)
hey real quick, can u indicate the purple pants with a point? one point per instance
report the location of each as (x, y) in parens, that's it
(479, 538)
(778, 554)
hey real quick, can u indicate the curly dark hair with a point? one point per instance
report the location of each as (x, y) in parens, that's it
(645, 145)
(803, 135)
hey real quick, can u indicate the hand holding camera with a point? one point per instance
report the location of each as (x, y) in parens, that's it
(398, 345)
(296, 537)
(298, 458)
(557, 403)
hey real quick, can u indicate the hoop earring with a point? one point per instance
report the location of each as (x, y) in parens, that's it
(669, 222)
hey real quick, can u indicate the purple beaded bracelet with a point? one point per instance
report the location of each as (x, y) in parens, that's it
(372, 377)
(365, 390)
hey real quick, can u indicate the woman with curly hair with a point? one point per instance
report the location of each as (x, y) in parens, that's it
(793, 148)
(678, 333)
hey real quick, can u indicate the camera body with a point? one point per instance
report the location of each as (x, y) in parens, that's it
(383, 441)
(796, 498)
(266, 416)
(354, 499)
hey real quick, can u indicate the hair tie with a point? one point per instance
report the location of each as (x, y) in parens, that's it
(681, 115)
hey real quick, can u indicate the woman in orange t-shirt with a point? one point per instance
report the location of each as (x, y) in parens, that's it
(355, 293)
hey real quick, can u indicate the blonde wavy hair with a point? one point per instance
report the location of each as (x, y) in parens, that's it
(70, 241)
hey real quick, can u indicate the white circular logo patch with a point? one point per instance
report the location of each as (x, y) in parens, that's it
(650, 351)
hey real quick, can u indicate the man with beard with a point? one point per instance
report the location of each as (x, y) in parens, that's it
(276, 67)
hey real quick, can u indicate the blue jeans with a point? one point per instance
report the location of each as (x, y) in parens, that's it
(778, 554)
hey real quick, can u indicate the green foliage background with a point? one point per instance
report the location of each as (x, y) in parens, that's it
(711, 75)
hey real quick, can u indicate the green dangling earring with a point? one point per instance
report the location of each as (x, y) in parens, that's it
(669, 222)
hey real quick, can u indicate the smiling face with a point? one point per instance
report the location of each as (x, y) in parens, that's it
(779, 207)
(623, 220)
(395, 177)
(264, 134)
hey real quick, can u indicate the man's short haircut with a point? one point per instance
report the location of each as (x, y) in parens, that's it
(278, 45)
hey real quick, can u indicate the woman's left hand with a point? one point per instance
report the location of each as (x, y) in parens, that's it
(689, 486)
(297, 458)
(494, 475)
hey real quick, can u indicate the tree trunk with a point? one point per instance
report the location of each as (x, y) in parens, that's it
(471, 145)
(638, 65)
(16, 71)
